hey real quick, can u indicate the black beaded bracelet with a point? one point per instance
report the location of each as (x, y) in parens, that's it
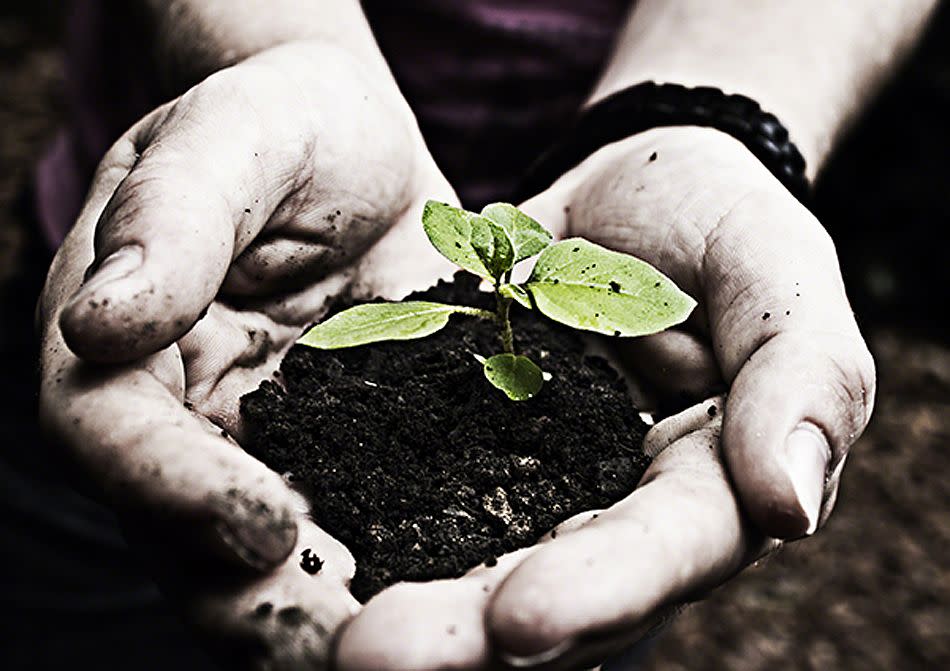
(651, 105)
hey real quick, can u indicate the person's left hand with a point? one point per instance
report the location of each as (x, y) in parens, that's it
(773, 326)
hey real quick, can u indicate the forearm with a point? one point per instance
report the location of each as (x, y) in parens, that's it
(194, 38)
(812, 63)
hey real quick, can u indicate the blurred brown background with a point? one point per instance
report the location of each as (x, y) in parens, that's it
(872, 591)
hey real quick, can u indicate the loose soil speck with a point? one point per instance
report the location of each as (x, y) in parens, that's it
(310, 562)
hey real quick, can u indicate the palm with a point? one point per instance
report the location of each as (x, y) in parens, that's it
(250, 326)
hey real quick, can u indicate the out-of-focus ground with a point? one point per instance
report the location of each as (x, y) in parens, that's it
(872, 590)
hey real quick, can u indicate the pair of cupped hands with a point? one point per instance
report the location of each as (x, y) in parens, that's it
(225, 221)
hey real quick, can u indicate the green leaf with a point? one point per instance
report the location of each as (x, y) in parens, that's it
(589, 287)
(374, 322)
(517, 376)
(492, 245)
(515, 292)
(527, 236)
(468, 240)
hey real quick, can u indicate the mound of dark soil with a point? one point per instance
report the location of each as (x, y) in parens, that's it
(423, 469)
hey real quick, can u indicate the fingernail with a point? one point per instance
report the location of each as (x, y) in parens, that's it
(530, 661)
(116, 266)
(808, 455)
(261, 545)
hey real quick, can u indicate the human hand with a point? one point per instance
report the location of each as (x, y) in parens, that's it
(773, 325)
(801, 385)
(217, 228)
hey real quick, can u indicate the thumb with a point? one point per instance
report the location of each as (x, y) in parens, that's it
(802, 379)
(193, 199)
(793, 412)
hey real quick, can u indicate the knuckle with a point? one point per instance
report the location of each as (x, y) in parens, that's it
(221, 85)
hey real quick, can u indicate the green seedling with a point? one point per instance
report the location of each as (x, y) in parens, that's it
(574, 282)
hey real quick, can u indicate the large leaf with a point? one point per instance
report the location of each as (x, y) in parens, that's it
(468, 240)
(517, 376)
(589, 287)
(527, 236)
(374, 322)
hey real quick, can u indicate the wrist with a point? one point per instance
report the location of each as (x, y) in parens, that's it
(195, 38)
(649, 105)
(698, 175)
(810, 64)
(808, 125)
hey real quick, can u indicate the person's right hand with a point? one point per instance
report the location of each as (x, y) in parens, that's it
(215, 230)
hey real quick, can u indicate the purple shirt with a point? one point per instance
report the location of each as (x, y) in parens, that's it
(492, 83)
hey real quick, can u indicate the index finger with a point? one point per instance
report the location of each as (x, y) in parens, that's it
(191, 200)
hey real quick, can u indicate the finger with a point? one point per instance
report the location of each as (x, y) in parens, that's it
(127, 427)
(802, 379)
(128, 432)
(426, 626)
(435, 625)
(76, 253)
(679, 534)
(276, 264)
(211, 174)
(673, 429)
(194, 198)
(283, 620)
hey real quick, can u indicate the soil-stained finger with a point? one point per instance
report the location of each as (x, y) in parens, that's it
(426, 626)
(284, 620)
(128, 433)
(680, 533)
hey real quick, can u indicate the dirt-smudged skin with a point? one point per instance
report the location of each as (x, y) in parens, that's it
(422, 469)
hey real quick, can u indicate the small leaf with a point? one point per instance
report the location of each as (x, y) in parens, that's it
(374, 322)
(492, 245)
(528, 237)
(468, 240)
(517, 376)
(589, 287)
(515, 292)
